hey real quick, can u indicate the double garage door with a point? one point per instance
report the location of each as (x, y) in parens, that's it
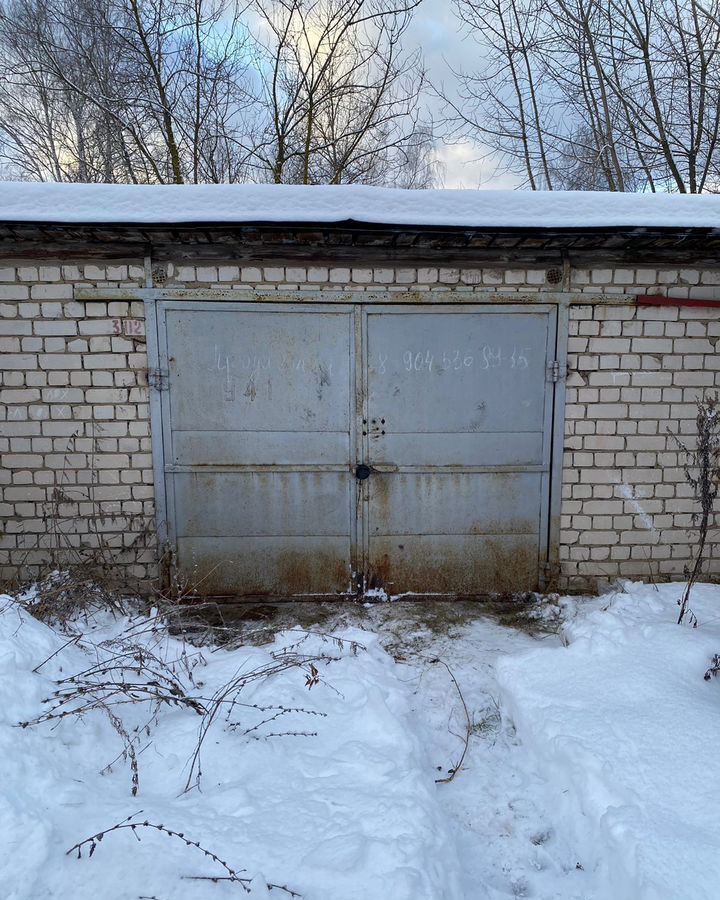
(328, 449)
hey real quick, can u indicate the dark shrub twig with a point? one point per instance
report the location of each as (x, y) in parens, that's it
(73, 640)
(91, 844)
(702, 472)
(452, 772)
(133, 669)
(216, 879)
(714, 667)
(277, 712)
(227, 698)
(60, 597)
(126, 673)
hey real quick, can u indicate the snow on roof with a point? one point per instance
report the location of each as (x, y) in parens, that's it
(223, 203)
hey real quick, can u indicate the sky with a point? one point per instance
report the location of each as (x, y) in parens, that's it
(437, 30)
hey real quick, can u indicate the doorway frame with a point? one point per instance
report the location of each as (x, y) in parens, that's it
(559, 302)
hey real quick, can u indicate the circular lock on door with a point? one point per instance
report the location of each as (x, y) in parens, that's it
(362, 472)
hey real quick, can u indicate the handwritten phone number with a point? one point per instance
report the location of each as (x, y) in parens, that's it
(488, 357)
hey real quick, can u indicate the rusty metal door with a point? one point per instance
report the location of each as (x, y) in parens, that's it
(258, 434)
(321, 449)
(459, 425)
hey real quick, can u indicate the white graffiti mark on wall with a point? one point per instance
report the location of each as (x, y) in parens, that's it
(40, 411)
(452, 360)
(630, 495)
(251, 365)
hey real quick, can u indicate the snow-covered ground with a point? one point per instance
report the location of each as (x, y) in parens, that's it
(628, 734)
(592, 769)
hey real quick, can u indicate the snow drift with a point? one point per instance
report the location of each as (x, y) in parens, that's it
(628, 733)
(349, 813)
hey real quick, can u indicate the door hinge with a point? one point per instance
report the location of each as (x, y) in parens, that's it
(159, 379)
(554, 372)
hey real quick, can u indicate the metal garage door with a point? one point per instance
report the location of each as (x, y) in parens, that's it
(322, 449)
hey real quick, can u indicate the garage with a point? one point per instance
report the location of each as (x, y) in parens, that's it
(283, 391)
(332, 448)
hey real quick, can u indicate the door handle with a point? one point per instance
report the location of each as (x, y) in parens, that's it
(362, 471)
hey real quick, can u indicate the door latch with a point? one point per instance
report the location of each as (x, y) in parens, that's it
(362, 472)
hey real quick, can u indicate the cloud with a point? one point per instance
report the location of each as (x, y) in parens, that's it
(468, 165)
(438, 32)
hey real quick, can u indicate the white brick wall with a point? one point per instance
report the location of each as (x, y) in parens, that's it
(76, 472)
(74, 408)
(634, 375)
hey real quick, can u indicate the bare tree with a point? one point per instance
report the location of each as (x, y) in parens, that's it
(338, 99)
(500, 104)
(604, 94)
(175, 91)
(122, 90)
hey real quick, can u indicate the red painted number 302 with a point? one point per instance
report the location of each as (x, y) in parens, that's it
(129, 327)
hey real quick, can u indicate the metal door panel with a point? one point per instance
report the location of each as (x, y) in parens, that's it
(271, 407)
(284, 566)
(284, 504)
(434, 372)
(445, 503)
(451, 389)
(454, 564)
(260, 421)
(259, 448)
(277, 370)
(521, 449)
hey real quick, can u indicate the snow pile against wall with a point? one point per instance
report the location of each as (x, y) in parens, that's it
(348, 813)
(627, 731)
(31, 202)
